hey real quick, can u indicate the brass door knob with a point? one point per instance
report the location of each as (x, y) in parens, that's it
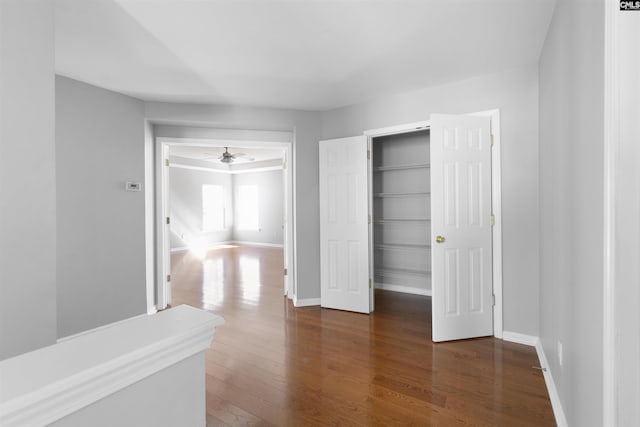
(439, 239)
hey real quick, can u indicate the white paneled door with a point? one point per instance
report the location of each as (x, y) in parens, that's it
(462, 288)
(344, 237)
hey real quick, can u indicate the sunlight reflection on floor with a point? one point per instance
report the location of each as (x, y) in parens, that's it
(249, 268)
(212, 281)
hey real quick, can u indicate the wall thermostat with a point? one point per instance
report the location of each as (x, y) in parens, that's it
(133, 186)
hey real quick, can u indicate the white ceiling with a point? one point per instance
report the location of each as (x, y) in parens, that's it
(312, 54)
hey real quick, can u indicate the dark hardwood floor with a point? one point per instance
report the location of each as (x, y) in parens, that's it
(274, 364)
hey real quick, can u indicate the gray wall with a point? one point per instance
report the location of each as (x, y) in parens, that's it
(571, 205)
(515, 93)
(270, 207)
(27, 177)
(185, 204)
(101, 227)
(306, 126)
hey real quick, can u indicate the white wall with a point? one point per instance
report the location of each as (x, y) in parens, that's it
(27, 177)
(185, 204)
(515, 93)
(270, 207)
(571, 205)
(101, 272)
(627, 223)
(306, 126)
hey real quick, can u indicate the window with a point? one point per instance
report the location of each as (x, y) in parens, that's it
(247, 207)
(212, 207)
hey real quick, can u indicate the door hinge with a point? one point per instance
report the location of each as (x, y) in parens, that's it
(166, 162)
(168, 277)
(284, 165)
(493, 300)
(369, 283)
(491, 139)
(286, 271)
(168, 220)
(368, 154)
(493, 220)
(369, 219)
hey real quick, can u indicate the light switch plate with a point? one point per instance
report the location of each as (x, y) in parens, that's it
(133, 186)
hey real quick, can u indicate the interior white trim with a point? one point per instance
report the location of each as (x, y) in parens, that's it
(398, 129)
(198, 168)
(404, 289)
(227, 172)
(48, 384)
(519, 338)
(305, 302)
(149, 217)
(554, 397)
(556, 404)
(266, 245)
(255, 170)
(289, 179)
(232, 242)
(496, 208)
(611, 150)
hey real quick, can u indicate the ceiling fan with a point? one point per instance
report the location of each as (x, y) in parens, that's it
(227, 157)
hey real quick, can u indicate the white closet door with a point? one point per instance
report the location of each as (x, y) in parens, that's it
(462, 285)
(344, 237)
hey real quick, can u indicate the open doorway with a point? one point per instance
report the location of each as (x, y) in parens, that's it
(221, 196)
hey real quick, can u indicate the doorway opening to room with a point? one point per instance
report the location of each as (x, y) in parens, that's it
(225, 221)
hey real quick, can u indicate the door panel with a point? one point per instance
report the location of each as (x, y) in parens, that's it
(462, 283)
(344, 233)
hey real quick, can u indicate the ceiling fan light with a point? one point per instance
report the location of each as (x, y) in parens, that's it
(226, 159)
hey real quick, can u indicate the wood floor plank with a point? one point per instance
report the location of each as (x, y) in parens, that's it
(272, 364)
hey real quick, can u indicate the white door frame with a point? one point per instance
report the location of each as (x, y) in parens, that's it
(496, 203)
(163, 266)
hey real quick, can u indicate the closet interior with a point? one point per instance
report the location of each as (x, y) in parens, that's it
(402, 212)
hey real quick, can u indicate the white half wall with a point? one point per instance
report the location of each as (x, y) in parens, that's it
(27, 177)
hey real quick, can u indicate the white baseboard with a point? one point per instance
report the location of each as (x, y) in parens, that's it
(212, 246)
(268, 245)
(306, 302)
(403, 289)
(561, 420)
(520, 338)
(534, 341)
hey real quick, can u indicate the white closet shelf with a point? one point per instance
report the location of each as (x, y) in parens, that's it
(388, 271)
(402, 246)
(402, 194)
(401, 167)
(400, 220)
